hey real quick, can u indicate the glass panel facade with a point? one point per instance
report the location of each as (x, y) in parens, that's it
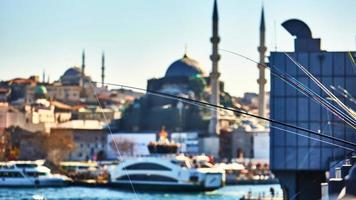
(339, 63)
(292, 152)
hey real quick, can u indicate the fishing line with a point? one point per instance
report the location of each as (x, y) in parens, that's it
(344, 93)
(113, 139)
(312, 138)
(344, 117)
(236, 111)
(317, 82)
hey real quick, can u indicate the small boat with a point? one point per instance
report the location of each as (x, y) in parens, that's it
(29, 174)
(84, 172)
(164, 170)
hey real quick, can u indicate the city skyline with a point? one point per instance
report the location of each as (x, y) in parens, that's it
(143, 44)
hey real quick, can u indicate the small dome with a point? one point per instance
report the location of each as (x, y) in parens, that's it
(184, 67)
(40, 90)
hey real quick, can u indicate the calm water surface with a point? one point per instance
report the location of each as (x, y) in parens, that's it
(226, 193)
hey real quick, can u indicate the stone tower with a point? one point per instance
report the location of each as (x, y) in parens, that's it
(262, 80)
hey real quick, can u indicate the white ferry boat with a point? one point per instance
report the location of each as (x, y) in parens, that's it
(164, 170)
(169, 173)
(29, 174)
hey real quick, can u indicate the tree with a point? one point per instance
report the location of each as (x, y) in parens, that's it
(58, 146)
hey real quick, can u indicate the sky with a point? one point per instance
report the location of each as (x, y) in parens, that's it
(141, 38)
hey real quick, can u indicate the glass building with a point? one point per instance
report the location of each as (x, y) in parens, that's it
(300, 163)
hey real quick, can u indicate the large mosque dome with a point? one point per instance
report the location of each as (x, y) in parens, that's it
(184, 67)
(73, 71)
(73, 76)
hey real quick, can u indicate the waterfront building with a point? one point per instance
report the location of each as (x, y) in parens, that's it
(89, 137)
(300, 163)
(128, 144)
(249, 140)
(39, 116)
(96, 113)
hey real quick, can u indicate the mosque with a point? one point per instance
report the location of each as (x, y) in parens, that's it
(185, 77)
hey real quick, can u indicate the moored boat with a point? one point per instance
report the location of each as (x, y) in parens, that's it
(164, 170)
(29, 174)
(169, 173)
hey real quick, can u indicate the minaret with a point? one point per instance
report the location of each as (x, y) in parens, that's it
(214, 76)
(82, 79)
(262, 80)
(102, 69)
(83, 68)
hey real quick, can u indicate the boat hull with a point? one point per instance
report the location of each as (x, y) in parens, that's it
(162, 187)
(33, 183)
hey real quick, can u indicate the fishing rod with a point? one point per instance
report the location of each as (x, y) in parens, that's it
(321, 86)
(233, 110)
(303, 89)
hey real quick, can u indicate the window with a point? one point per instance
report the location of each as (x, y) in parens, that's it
(26, 165)
(10, 175)
(147, 166)
(35, 174)
(145, 177)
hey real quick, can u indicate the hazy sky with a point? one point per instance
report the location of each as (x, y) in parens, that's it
(141, 38)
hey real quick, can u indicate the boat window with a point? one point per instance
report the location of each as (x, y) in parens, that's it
(145, 177)
(146, 166)
(10, 175)
(83, 167)
(35, 174)
(26, 165)
(6, 166)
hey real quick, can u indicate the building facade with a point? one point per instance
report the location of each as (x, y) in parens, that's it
(89, 137)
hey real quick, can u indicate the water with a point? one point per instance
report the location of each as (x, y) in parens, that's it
(85, 193)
